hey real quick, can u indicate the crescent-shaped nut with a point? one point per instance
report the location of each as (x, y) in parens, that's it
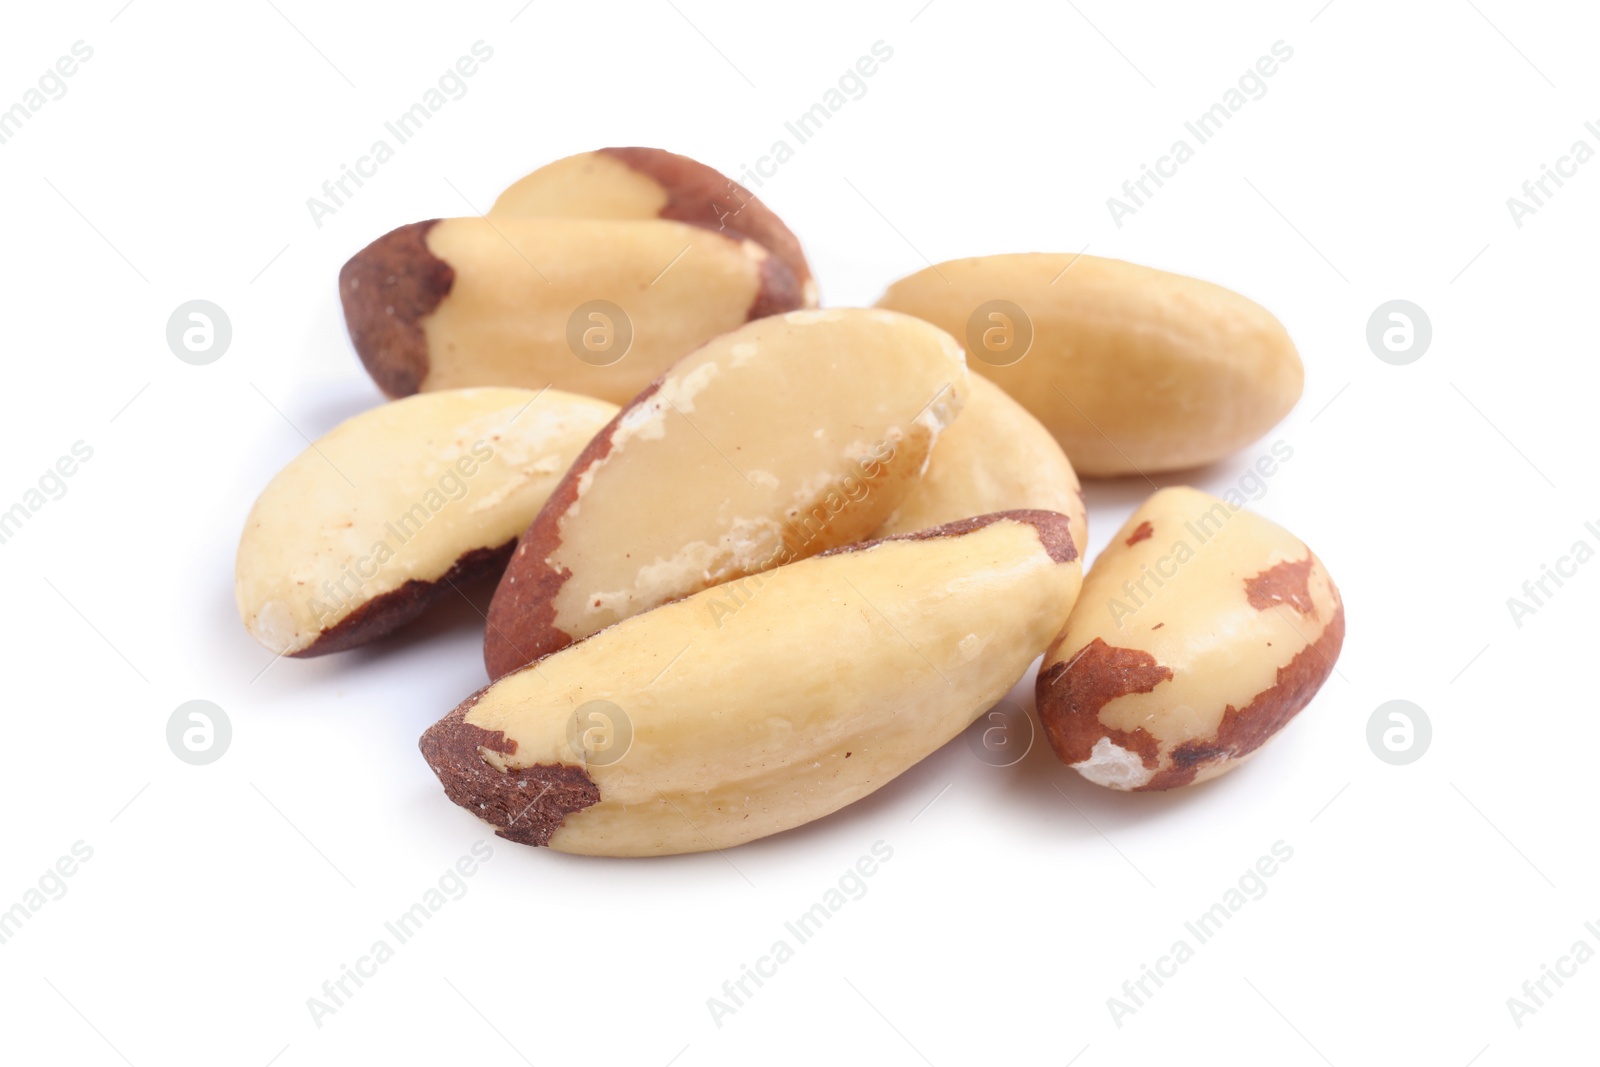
(378, 518)
(690, 728)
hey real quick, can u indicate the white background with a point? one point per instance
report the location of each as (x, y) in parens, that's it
(1377, 166)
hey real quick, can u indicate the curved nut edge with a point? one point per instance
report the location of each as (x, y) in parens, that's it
(521, 624)
(387, 289)
(387, 612)
(526, 805)
(703, 196)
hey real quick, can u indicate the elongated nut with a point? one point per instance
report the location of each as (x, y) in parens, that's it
(1133, 369)
(372, 523)
(645, 183)
(1201, 631)
(690, 728)
(782, 439)
(595, 306)
(995, 457)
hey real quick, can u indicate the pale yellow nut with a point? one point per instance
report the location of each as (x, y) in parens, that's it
(1202, 630)
(789, 436)
(364, 529)
(595, 306)
(1134, 370)
(995, 457)
(689, 728)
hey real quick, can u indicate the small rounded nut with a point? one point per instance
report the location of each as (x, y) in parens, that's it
(361, 532)
(787, 437)
(1134, 370)
(595, 306)
(645, 183)
(1202, 630)
(736, 713)
(994, 457)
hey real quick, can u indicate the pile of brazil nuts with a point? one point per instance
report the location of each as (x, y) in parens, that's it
(756, 557)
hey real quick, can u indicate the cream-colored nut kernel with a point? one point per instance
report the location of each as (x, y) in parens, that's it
(1202, 630)
(595, 306)
(789, 436)
(995, 457)
(1133, 369)
(371, 524)
(645, 183)
(693, 727)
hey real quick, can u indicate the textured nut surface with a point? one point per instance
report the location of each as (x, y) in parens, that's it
(642, 183)
(1133, 369)
(362, 531)
(1201, 631)
(995, 457)
(492, 302)
(831, 677)
(780, 440)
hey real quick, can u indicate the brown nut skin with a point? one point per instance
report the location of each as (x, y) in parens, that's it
(655, 183)
(1200, 632)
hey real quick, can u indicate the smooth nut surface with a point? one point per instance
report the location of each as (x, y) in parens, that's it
(642, 183)
(994, 457)
(829, 678)
(789, 436)
(365, 529)
(1134, 370)
(1200, 633)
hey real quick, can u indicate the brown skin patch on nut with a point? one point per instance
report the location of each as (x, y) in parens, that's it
(387, 289)
(1288, 583)
(389, 611)
(1070, 695)
(703, 196)
(521, 624)
(1243, 730)
(1053, 528)
(779, 291)
(526, 805)
(1141, 532)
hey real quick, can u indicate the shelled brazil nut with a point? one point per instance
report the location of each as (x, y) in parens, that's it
(591, 275)
(685, 729)
(789, 436)
(1202, 630)
(1134, 370)
(366, 528)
